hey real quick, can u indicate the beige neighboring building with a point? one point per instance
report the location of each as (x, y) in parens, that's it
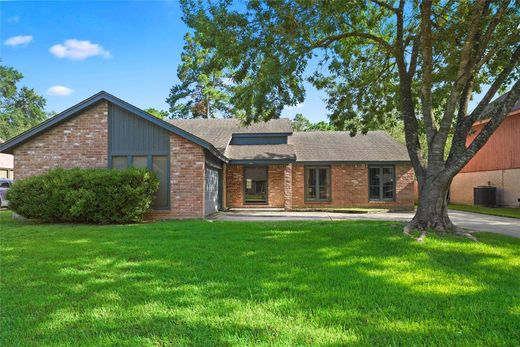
(496, 164)
(6, 165)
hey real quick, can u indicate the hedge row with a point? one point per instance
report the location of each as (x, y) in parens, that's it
(85, 195)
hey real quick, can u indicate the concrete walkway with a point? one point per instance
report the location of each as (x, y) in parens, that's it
(467, 220)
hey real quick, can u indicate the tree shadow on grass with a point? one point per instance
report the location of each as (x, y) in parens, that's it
(196, 283)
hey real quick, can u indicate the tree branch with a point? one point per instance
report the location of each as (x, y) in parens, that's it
(414, 56)
(385, 5)
(477, 112)
(483, 41)
(406, 100)
(426, 85)
(464, 123)
(497, 116)
(327, 41)
(461, 80)
(458, 143)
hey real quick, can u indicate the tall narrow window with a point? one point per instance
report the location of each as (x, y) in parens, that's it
(157, 163)
(381, 183)
(140, 161)
(160, 167)
(120, 162)
(317, 183)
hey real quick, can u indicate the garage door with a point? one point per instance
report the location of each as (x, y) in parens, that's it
(212, 191)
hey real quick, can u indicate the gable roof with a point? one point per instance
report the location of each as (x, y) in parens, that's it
(490, 107)
(339, 146)
(7, 147)
(215, 136)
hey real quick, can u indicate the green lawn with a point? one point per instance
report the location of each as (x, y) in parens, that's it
(225, 283)
(512, 212)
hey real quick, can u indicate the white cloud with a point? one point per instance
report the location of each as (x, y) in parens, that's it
(293, 107)
(78, 50)
(14, 19)
(18, 40)
(59, 91)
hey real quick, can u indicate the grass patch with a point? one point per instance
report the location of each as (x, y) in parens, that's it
(512, 212)
(230, 283)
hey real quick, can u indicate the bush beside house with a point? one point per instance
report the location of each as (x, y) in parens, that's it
(99, 196)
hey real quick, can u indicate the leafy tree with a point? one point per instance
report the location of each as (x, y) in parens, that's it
(20, 108)
(322, 126)
(421, 62)
(300, 123)
(161, 114)
(203, 90)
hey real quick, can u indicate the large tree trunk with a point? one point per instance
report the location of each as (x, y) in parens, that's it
(432, 212)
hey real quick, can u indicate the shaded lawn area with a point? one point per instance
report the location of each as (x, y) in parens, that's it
(230, 283)
(512, 212)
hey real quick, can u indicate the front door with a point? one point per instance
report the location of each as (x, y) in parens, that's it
(255, 181)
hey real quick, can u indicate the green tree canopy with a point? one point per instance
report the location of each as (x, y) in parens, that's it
(204, 90)
(161, 114)
(420, 62)
(21, 108)
(300, 123)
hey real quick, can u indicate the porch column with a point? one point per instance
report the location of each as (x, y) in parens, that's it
(287, 191)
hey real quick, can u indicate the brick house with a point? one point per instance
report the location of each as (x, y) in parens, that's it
(496, 164)
(205, 165)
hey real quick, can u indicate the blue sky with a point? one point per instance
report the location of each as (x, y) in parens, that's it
(128, 48)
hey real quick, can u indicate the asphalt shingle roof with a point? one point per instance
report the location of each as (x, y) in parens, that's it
(317, 146)
(219, 131)
(489, 108)
(322, 146)
(260, 152)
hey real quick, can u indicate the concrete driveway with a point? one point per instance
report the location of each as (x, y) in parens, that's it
(467, 220)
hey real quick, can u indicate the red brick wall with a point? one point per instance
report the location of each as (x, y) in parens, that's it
(83, 142)
(187, 181)
(235, 186)
(275, 186)
(350, 187)
(288, 195)
(79, 142)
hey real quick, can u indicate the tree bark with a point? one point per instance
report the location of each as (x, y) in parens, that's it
(432, 212)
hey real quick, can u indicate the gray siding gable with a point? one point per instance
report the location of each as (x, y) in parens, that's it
(131, 134)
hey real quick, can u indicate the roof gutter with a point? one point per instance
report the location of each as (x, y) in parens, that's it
(367, 162)
(260, 161)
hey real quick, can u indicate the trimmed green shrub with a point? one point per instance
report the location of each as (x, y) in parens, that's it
(99, 196)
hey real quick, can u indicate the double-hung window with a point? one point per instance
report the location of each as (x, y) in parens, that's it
(381, 183)
(156, 163)
(317, 183)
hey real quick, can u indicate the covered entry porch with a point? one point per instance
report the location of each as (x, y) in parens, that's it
(259, 185)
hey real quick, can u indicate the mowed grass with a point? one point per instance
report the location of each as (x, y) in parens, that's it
(512, 212)
(226, 283)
